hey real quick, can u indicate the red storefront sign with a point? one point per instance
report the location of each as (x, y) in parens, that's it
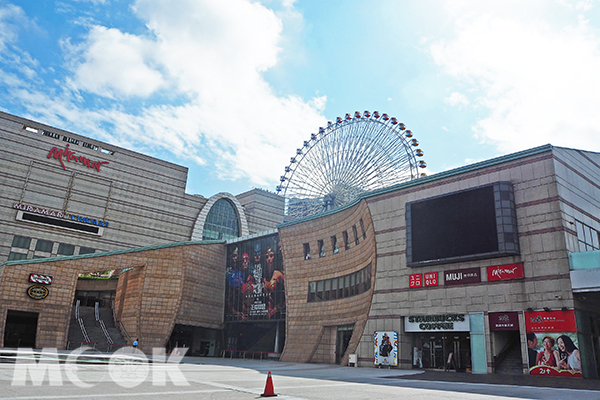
(415, 280)
(504, 321)
(503, 272)
(550, 321)
(460, 276)
(431, 278)
(67, 154)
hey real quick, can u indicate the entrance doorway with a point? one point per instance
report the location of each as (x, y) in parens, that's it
(344, 334)
(435, 350)
(20, 329)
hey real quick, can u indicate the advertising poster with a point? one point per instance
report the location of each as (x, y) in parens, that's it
(552, 347)
(386, 348)
(254, 287)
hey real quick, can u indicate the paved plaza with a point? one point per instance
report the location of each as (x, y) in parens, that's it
(223, 379)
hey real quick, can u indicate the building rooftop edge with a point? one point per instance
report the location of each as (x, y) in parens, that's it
(440, 175)
(110, 253)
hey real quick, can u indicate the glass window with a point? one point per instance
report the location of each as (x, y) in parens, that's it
(66, 249)
(312, 290)
(86, 250)
(346, 242)
(362, 228)
(21, 242)
(334, 245)
(44, 245)
(355, 233)
(321, 248)
(319, 290)
(587, 237)
(221, 222)
(334, 286)
(306, 251)
(16, 256)
(327, 289)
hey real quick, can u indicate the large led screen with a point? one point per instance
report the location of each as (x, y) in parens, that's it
(469, 224)
(254, 287)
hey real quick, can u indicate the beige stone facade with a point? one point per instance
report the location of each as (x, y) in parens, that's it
(160, 287)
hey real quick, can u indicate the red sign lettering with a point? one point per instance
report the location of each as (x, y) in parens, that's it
(507, 271)
(69, 156)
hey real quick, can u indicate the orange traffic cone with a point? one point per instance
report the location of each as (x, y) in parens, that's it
(269, 391)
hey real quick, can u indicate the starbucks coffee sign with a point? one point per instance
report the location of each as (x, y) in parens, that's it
(437, 323)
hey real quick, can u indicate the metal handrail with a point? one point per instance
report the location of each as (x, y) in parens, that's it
(106, 333)
(83, 330)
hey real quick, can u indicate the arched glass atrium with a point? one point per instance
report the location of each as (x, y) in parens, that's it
(221, 222)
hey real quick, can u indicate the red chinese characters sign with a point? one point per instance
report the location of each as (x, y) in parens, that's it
(503, 272)
(431, 278)
(550, 321)
(415, 280)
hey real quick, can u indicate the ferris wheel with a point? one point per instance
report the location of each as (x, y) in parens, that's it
(352, 156)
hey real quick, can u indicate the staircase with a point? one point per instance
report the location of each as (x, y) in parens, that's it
(512, 364)
(98, 339)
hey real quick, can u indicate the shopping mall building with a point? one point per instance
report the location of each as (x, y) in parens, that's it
(454, 270)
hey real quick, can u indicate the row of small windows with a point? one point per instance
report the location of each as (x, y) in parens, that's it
(334, 242)
(340, 287)
(43, 246)
(68, 139)
(587, 237)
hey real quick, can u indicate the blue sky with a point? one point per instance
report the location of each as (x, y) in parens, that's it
(231, 88)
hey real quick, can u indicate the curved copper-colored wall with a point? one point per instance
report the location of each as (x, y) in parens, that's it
(176, 283)
(311, 327)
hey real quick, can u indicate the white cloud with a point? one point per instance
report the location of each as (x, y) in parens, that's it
(537, 79)
(207, 55)
(457, 99)
(112, 63)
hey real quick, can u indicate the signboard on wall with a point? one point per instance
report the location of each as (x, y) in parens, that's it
(461, 276)
(550, 321)
(505, 272)
(504, 321)
(385, 348)
(431, 278)
(419, 280)
(415, 280)
(437, 323)
(552, 345)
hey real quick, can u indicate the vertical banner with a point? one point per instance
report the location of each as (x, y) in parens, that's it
(552, 347)
(255, 280)
(386, 348)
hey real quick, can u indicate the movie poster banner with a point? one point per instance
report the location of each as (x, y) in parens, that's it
(552, 347)
(386, 348)
(254, 287)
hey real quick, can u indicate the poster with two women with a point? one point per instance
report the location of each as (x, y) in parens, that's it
(552, 347)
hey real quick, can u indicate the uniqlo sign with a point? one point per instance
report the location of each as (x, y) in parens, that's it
(415, 280)
(430, 278)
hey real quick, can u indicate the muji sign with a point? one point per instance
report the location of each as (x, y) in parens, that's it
(68, 155)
